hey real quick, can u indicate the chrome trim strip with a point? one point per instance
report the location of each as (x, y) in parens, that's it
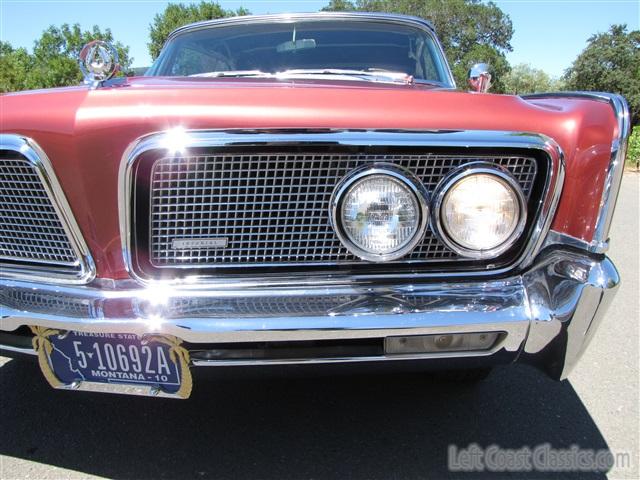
(24, 351)
(615, 169)
(459, 174)
(418, 22)
(321, 360)
(558, 238)
(38, 158)
(462, 139)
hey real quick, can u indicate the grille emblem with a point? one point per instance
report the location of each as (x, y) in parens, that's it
(199, 243)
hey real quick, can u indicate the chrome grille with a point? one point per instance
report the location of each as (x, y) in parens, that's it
(30, 229)
(272, 208)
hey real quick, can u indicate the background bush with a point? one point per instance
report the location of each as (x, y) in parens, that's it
(633, 151)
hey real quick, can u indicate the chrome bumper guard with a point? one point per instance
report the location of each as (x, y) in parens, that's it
(545, 316)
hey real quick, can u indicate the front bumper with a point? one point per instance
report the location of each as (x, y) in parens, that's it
(546, 315)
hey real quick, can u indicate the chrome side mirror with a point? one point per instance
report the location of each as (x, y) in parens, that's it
(479, 78)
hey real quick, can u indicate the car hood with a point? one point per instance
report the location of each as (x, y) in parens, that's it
(145, 104)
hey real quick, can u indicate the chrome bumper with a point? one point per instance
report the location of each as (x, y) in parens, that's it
(546, 315)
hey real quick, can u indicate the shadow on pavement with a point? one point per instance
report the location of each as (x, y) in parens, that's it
(396, 426)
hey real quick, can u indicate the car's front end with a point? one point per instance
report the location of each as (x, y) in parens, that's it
(318, 217)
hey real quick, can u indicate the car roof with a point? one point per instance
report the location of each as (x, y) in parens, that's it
(289, 17)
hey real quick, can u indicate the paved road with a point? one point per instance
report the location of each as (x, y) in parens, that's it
(361, 427)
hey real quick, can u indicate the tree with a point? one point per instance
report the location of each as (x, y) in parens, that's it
(54, 62)
(339, 6)
(470, 30)
(523, 78)
(610, 63)
(179, 14)
(15, 65)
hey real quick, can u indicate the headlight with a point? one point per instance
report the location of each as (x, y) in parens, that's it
(480, 212)
(379, 213)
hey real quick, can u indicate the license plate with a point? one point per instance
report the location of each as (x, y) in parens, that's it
(118, 359)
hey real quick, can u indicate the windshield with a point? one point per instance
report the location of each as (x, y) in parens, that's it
(320, 47)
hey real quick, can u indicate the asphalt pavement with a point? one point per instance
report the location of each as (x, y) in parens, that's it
(367, 426)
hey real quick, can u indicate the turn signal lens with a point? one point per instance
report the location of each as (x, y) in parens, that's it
(456, 342)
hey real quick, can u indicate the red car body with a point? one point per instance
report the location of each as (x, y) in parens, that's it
(77, 146)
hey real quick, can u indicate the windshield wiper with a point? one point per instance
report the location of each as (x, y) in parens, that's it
(373, 75)
(370, 75)
(234, 73)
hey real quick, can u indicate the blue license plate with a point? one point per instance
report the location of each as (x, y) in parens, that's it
(118, 358)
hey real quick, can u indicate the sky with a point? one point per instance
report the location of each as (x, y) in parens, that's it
(548, 34)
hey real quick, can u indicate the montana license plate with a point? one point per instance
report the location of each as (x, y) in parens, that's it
(156, 362)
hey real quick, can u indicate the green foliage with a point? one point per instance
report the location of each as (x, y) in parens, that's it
(54, 62)
(470, 30)
(178, 14)
(610, 63)
(523, 78)
(339, 6)
(15, 65)
(633, 150)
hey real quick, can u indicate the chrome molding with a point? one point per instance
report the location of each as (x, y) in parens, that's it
(471, 354)
(23, 351)
(452, 179)
(463, 139)
(615, 169)
(406, 178)
(563, 239)
(38, 158)
(416, 22)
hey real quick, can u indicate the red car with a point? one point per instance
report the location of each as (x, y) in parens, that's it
(299, 189)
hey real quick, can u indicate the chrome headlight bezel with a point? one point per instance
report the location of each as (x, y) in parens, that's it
(445, 185)
(397, 174)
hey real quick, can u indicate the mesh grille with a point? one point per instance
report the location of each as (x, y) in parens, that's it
(30, 230)
(272, 208)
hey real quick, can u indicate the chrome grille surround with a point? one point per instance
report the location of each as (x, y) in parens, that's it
(39, 238)
(156, 145)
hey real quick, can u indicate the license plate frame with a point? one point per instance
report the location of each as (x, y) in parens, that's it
(150, 365)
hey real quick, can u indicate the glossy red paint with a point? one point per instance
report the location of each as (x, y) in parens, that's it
(85, 132)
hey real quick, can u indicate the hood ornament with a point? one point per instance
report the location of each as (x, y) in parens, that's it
(98, 62)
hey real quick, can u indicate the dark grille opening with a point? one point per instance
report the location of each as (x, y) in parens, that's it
(345, 348)
(270, 208)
